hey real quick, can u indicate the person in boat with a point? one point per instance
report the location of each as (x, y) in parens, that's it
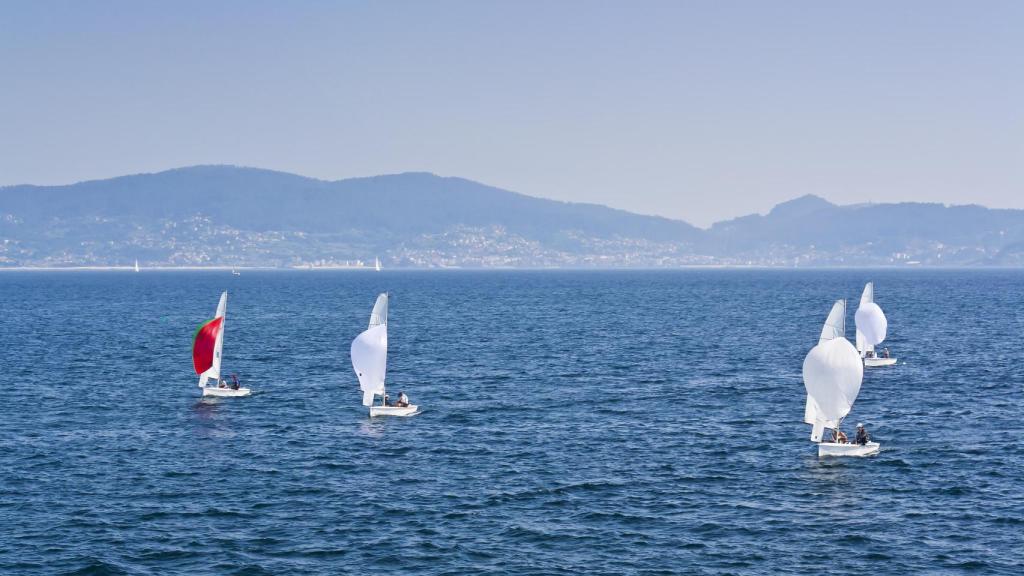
(839, 437)
(387, 400)
(221, 383)
(885, 353)
(862, 435)
(403, 400)
(869, 354)
(234, 381)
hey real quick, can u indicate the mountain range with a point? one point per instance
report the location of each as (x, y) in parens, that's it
(234, 216)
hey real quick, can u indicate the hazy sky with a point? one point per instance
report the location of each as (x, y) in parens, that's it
(692, 110)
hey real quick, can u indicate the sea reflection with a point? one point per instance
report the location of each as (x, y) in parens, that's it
(211, 421)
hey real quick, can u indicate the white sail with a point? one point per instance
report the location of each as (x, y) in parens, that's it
(835, 324)
(829, 375)
(835, 327)
(214, 370)
(370, 352)
(136, 265)
(871, 322)
(832, 372)
(376, 264)
(869, 293)
(867, 296)
(810, 411)
(379, 314)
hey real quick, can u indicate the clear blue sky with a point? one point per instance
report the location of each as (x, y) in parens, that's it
(692, 110)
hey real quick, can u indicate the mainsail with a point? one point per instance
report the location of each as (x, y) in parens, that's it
(835, 324)
(207, 344)
(832, 374)
(871, 322)
(370, 352)
(379, 314)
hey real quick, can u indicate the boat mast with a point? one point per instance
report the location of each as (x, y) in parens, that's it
(387, 296)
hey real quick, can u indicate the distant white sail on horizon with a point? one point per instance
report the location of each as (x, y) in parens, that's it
(870, 320)
(832, 373)
(136, 265)
(370, 352)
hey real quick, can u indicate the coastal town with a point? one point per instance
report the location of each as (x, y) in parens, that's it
(201, 242)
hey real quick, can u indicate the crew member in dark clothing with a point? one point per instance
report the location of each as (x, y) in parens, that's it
(862, 435)
(234, 381)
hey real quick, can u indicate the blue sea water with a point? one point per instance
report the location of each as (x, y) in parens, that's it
(573, 422)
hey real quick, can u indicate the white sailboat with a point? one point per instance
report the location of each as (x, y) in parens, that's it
(136, 265)
(370, 361)
(871, 327)
(376, 264)
(206, 355)
(833, 373)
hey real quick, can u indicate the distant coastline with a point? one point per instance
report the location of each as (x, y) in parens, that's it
(172, 268)
(189, 217)
(130, 269)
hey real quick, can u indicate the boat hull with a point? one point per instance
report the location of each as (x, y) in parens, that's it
(393, 410)
(875, 362)
(834, 449)
(225, 392)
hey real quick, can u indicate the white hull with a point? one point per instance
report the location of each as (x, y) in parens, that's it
(833, 449)
(874, 362)
(393, 410)
(225, 392)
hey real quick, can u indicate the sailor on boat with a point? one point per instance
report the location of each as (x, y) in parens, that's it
(403, 400)
(862, 435)
(234, 381)
(839, 437)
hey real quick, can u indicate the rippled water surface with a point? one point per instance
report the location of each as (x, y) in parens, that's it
(598, 422)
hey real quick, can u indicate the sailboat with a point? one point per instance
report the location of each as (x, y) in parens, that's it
(871, 327)
(833, 373)
(370, 361)
(136, 265)
(376, 264)
(235, 272)
(206, 352)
